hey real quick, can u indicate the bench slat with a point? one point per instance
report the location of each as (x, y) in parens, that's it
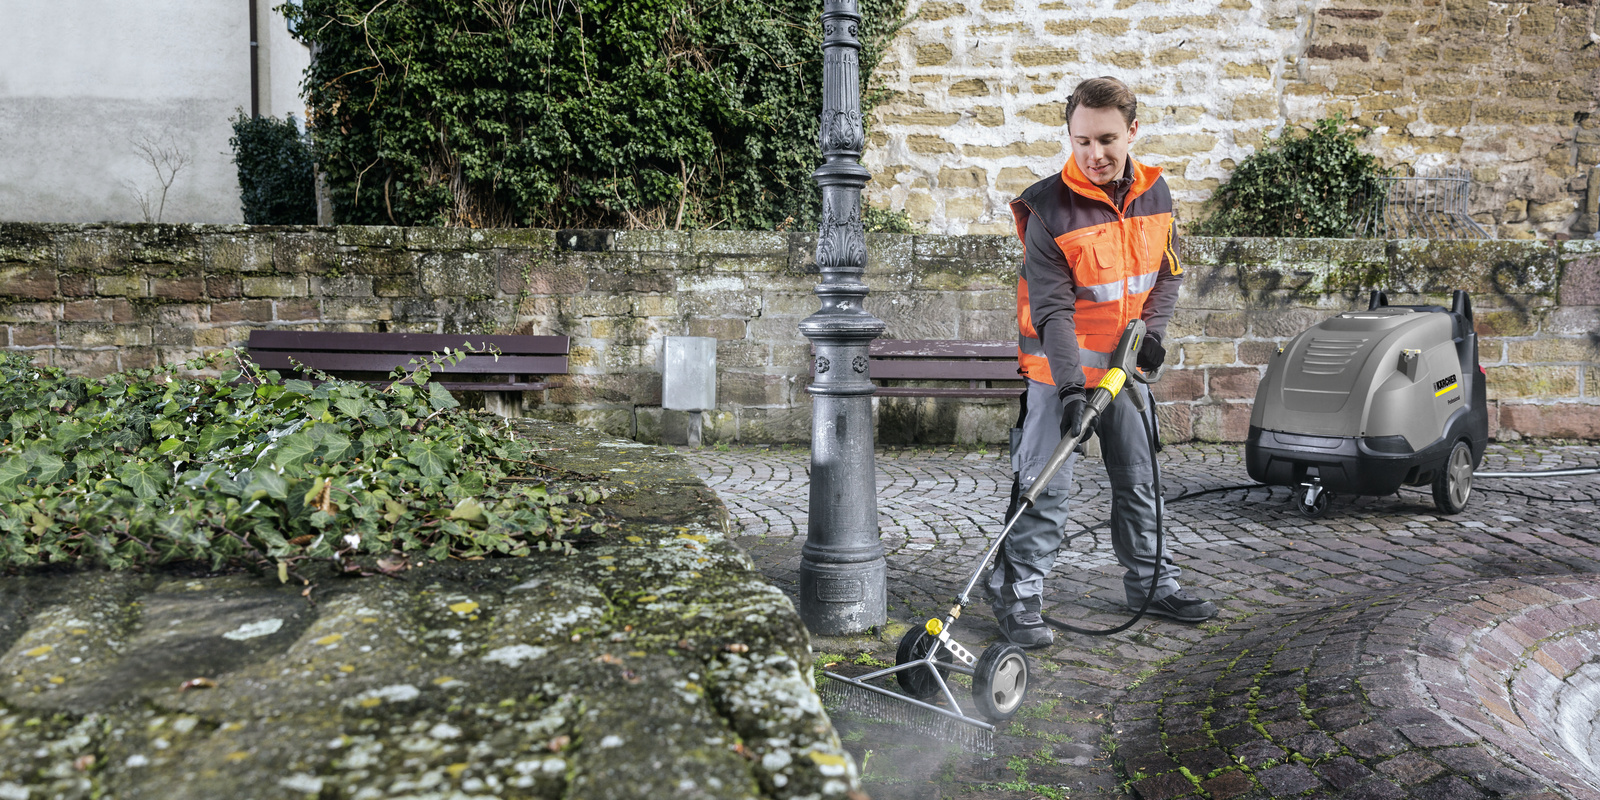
(945, 370)
(927, 391)
(413, 343)
(386, 362)
(929, 348)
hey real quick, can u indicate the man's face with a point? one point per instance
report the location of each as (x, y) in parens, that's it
(1100, 141)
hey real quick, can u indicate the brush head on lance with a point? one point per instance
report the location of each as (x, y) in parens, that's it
(849, 701)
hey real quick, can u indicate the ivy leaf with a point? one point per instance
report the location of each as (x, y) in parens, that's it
(213, 437)
(50, 466)
(145, 478)
(293, 449)
(468, 510)
(336, 446)
(11, 471)
(439, 397)
(164, 427)
(352, 407)
(431, 457)
(266, 483)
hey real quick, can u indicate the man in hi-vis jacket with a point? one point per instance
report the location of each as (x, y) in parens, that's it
(1099, 250)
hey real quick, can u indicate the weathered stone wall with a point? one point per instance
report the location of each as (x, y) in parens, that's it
(976, 91)
(97, 298)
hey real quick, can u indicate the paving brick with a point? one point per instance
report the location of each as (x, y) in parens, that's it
(1343, 772)
(1164, 787)
(1288, 779)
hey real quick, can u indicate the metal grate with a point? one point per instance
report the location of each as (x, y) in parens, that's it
(1329, 356)
(1422, 207)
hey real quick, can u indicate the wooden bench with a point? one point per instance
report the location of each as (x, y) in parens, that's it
(521, 365)
(979, 364)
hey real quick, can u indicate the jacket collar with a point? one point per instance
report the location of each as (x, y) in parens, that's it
(1144, 177)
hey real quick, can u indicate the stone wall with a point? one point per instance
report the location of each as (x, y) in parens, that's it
(976, 90)
(97, 298)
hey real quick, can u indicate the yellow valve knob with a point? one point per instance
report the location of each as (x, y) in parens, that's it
(934, 627)
(1114, 381)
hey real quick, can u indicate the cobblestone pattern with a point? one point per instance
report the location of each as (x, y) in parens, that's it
(1352, 606)
(97, 298)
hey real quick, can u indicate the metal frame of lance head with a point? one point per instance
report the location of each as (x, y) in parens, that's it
(842, 571)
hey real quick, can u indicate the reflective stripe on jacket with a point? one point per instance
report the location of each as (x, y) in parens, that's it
(1115, 256)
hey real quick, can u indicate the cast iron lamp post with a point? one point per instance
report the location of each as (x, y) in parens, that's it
(842, 565)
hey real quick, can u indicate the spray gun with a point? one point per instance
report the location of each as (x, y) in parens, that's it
(1122, 367)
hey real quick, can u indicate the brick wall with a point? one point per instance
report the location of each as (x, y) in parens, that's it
(975, 90)
(96, 298)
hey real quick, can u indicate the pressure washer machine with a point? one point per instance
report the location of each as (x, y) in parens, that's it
(1369, 401)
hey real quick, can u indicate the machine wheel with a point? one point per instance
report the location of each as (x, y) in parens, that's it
(1000, 681)
(918, 683)
(1454, 484)
(1315, 508)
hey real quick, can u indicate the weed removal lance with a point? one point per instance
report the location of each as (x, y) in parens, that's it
(1001, 675)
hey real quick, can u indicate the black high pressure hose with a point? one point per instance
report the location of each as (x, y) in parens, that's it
(1155, 467)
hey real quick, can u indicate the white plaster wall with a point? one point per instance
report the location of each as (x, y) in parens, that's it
(82, 81)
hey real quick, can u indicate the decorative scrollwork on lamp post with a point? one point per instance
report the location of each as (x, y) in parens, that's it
(842, 575)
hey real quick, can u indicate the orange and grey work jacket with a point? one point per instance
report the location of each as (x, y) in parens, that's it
(1088, 268)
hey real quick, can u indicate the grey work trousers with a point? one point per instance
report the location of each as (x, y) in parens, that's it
(1016, 582)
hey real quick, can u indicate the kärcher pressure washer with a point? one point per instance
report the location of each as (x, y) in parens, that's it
(1368, 401)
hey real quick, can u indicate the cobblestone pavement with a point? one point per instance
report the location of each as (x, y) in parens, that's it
(1278, 577)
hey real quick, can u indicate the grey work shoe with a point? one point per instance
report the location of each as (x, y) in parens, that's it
(1181, 606)
(1026, 629)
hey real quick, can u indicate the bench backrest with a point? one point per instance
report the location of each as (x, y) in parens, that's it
(383, 352)
(933, 359)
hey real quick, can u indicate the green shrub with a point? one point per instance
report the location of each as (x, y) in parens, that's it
(245, 470)
(276, 184)
(1310, 185)
(591, 113)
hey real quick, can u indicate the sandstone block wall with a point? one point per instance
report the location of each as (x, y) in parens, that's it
(975, 94)
(98, 298)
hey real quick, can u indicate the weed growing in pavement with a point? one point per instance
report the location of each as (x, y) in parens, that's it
(1040, 710)
(823, 661)
(1019, 765)
(869, 660)
(722, 447)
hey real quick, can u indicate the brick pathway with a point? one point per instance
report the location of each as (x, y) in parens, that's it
(1274, 574)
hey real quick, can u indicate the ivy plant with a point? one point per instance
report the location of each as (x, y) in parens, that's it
(247, 470)
(590, 113)
(1314, 184)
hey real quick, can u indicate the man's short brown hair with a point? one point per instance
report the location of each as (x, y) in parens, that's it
(1104, 92)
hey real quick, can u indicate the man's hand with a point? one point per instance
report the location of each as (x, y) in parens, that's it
(1151, 354)
(1072, 408)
